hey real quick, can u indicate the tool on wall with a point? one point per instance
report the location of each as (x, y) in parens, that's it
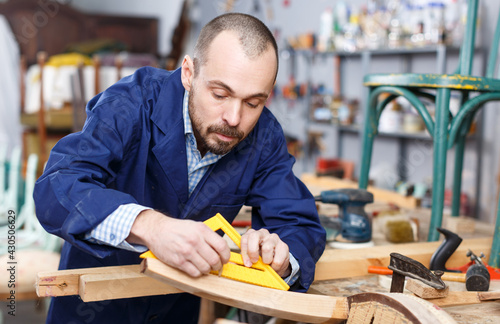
(259, 273)
(356, 224)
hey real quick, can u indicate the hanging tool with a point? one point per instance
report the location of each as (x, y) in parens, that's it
(477, 277)
(356, 224)
(403, 266)
(259, 273)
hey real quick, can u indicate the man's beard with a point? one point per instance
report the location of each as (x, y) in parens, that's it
(216, 146)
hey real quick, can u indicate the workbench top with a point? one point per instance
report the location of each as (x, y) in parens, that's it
(486, 312)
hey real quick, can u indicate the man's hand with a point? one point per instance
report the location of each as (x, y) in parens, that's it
(270, 247)
(183, 244)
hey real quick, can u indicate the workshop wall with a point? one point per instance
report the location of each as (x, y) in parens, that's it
(167, 13)
(290, 18)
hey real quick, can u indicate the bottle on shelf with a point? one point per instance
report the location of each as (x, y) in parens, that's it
(325, 37)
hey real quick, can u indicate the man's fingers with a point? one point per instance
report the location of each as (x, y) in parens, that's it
(191, 269)
(213, 251)
(255, 240)
(251, 246)
(220, 247)
(244, 248)
(191, 247)
(281, 259)
(268, 248)
(206, 259)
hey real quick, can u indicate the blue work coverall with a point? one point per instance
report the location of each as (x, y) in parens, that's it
(132, 150)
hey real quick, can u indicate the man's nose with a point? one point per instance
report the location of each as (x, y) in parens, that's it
(232, 113)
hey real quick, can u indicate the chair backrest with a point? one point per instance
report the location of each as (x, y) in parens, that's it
(469, 40)
(493, 55)
(467, 48)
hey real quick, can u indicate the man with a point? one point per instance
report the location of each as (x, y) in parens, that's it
(162, 151)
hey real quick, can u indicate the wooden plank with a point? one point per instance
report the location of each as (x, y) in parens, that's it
(283, 304)
(335, 264)
(66, 282)
(484, 313)
(327, 183)
(457, 298)
(100, 283)
(425, 291)
(122, 284)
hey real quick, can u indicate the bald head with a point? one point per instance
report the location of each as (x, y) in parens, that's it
(254, 37)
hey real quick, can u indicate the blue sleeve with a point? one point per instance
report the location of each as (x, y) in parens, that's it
(77, 190)
(282, 204)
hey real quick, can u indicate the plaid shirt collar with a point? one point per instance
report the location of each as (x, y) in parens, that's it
(190, 138)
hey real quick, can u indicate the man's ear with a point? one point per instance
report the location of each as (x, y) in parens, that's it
(187, 72)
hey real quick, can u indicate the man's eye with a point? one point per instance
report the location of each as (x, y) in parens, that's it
(251, 105)
(218, 97)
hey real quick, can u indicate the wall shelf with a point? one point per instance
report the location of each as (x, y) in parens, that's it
(364, 58)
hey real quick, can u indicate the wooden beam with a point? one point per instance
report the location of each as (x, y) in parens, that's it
(66, 282)
(328, 183)
(336, 264)
(425, 291)
(457, 298)
(101, 283)
(283, 304)
(126, 284)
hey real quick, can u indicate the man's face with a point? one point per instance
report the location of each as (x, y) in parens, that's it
(227, 96)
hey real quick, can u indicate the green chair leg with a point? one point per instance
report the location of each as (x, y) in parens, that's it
(371, 125)
(457, 172)
(439, 161)
(494, 260)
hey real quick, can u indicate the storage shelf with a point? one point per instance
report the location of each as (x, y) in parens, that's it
(356, 129)
(431, 49)
(402, 140)
(423, 135)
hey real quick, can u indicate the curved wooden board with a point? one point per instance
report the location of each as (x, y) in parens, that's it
(282, 304)
(361, 308)
(395, 308)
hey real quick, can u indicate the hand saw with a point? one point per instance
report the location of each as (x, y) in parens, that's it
(259, 273)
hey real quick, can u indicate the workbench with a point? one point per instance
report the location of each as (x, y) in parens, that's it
(485, 312)
(339, 273)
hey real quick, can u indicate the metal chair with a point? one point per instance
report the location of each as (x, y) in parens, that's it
(446, 130)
